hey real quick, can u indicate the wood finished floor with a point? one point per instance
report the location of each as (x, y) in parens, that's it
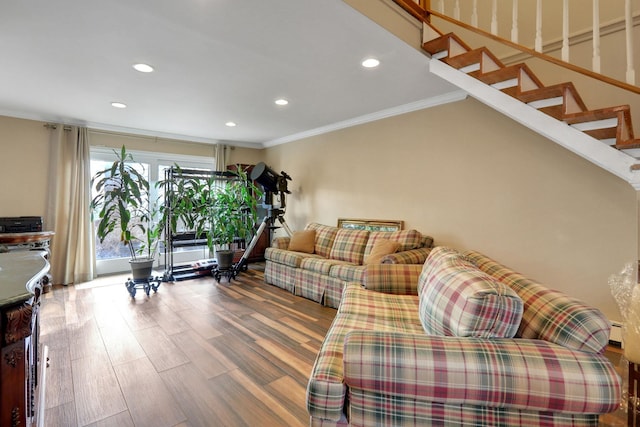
(198, 353)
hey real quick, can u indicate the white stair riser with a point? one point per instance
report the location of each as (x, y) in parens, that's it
(597, 124)
(505, 84)
(440, 55)
(470, 68)
(549, 102)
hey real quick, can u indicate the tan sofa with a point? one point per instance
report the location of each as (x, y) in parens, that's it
(336, 257)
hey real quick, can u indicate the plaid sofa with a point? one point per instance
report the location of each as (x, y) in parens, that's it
(542, 364)
(337, 259)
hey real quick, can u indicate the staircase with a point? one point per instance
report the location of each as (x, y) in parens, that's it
(604, 136)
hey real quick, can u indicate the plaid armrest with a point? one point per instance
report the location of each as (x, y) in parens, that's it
(392, 278)
(500, 373)
(413, 256)
(281, 242)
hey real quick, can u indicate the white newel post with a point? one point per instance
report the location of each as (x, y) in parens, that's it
(628, 20)
(456, 10)
(596, 36)
(514, 22)
(474, 14)
(538, 42)
(494, 17)
(565, 30)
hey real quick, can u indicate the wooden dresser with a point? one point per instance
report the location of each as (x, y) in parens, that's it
(22, 362)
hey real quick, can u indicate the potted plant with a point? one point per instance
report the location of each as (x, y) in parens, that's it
(232, 215)
(122, 205)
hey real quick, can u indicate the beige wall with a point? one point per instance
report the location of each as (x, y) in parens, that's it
(472, 179)
(23, 167)
(24, 157)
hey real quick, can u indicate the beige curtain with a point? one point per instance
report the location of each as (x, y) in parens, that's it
(72, 247)
(220, 154)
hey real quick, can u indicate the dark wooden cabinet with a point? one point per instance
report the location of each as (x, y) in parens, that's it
(21, 359)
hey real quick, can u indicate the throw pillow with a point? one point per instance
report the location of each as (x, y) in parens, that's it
(381, 248)
(458, 299)
(303, 241)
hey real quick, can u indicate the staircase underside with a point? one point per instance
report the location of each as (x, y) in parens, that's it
(616, 162)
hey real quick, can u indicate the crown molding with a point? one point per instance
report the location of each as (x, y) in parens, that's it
(434, 101)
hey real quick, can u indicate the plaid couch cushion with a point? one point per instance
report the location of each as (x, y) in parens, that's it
(326, 389)
(347, 272)
(325, 235)
(393, 278)
(286, 257)
(548, 314)
(319, 265)
(349, 245)
(408, 239)
(457, 299)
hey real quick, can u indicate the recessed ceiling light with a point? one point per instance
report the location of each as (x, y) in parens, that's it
(143, 68)
(281, 101)
(370, 63)
(231, 124)
(118, 105)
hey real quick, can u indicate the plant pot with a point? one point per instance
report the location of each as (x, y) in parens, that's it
(141, 268)
(224, 259)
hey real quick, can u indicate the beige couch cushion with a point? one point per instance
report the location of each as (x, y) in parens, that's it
(303, 241)
(381, 248)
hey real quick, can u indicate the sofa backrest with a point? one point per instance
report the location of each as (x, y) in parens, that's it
(548, 314)
(353, 246)
(408, 239)
(325, 236)
(349, 245)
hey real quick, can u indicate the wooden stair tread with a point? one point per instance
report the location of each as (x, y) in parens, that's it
(474, 56)
(627, 145)
(443, 43)
(554, 91)
(604, 122)
(599, 114)
(604, 133)
(518, 81)
(508, 73)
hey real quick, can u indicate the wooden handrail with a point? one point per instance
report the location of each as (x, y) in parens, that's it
(418, 12)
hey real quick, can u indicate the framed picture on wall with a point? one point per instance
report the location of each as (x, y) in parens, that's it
(370, 224)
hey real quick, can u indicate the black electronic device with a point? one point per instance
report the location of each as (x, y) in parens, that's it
(271, 182)
(20, 224)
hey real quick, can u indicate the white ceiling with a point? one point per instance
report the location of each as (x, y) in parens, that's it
(216, 61)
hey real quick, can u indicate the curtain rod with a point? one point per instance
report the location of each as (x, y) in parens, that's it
(54, 126)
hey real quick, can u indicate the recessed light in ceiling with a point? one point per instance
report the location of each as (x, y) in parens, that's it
(281, 101)
(118, 105)
(143, 68)
(231, 124)
(370, 63)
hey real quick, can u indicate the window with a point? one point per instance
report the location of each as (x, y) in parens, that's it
(111, 255)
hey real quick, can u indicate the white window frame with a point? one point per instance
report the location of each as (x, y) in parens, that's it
(154, 160)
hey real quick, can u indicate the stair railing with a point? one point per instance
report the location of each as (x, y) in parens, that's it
(450, 11)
